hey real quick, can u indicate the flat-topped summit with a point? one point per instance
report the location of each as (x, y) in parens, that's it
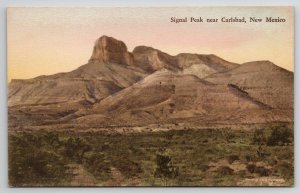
(110, 50)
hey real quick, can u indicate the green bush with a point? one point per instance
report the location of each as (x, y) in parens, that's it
(225, 170)
(165, 168)
(232, 158)
(259, 137)
(75, 148)
(262, 171)
(280, 135)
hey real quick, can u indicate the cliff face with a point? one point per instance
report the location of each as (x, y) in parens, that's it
(149, 86)
(108, 49)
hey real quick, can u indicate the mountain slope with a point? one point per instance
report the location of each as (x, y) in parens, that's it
(168, 97)
(92, 82)
(263, 81)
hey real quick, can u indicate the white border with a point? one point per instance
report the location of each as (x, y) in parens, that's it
(133, 3)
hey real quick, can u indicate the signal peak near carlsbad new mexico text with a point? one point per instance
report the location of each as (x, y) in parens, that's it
(225, 19)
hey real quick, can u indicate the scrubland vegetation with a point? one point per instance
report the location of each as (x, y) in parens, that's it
(192, 157)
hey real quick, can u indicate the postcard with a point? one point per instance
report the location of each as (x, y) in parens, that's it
(150, 96)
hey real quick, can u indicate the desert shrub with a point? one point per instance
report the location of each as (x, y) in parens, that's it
(262, 171)
(209, 151)
(262, 152)
(280, 135)
(50, 138)
(164, 168)
(225, 170)
(227, 134)
(75, 148)
(248, 158)
(259, 137)
(168, 136)
(203, 167)
(286, 169)
(105, 146)
(251, 168)
(250, 155)
(232, 158)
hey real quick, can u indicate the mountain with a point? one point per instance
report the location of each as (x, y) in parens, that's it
(106, 73)
(110, 69)
(147, 86)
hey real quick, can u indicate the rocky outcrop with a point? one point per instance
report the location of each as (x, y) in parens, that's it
(150, 59)
(110, 50)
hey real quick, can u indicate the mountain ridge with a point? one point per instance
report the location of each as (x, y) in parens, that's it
(148, 86)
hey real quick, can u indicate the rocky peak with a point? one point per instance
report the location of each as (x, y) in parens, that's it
(108, 49)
